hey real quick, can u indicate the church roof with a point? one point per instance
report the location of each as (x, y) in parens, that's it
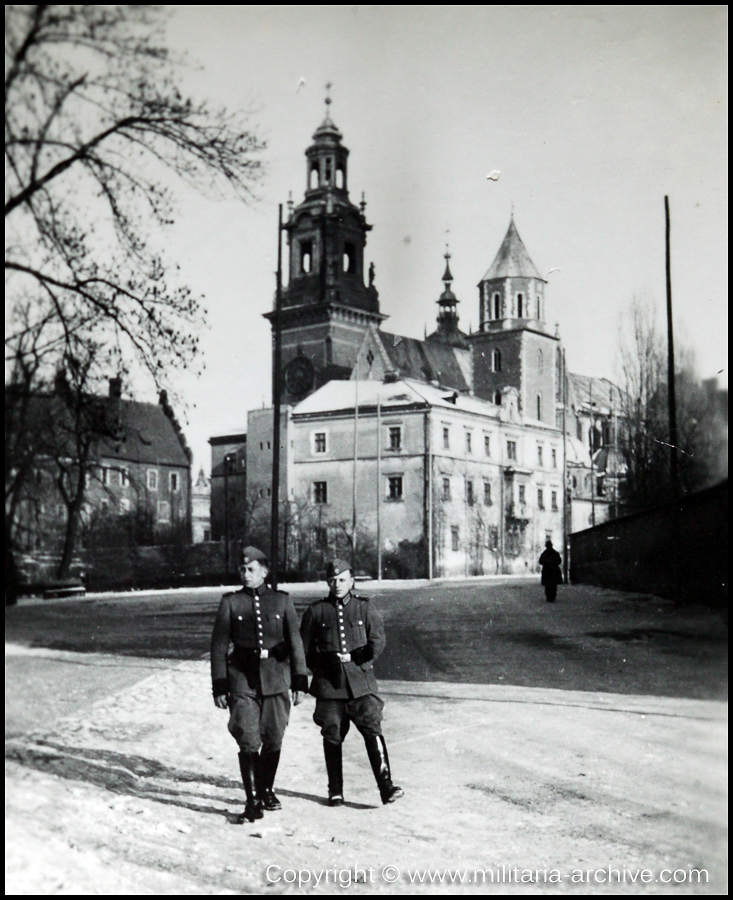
(606, 396)
(425, 361)
(512, 260)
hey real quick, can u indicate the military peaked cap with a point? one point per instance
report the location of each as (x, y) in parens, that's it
(250, 554)
(336, 567)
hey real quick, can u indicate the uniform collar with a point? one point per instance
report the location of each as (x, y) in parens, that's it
(254, 592)
(337, 602)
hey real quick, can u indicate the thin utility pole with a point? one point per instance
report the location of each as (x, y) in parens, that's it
(275, 508)
(670, 364)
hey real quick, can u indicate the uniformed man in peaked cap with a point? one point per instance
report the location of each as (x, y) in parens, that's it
(342, 635)
(253, 680)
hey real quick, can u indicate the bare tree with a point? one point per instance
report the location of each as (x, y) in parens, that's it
(644, 424)
(96, 131)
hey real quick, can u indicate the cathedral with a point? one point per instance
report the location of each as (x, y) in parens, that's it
(457, 454)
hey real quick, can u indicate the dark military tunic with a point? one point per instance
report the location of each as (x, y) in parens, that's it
(344, 692)
(250, 621)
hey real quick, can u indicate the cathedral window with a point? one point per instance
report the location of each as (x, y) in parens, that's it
(496, 360)
(313, 178)
(349, 258)
(497, 398)
(329, 171)
(539, 406)
(306, 256)
(497, 306)
(520, 305)
(340, 177)
(539, 306)
(540, 361)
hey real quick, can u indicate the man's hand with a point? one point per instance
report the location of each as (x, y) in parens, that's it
(221, 701)
(297, 697)
(344, 657)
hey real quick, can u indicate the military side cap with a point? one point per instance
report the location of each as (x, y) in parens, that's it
(336, 567)
(250, 554)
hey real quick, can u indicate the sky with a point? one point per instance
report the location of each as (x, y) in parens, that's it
(591, 115)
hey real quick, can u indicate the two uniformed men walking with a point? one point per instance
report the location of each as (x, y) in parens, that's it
(339, 640)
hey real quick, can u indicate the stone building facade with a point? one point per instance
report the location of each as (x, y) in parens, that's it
(454, 450)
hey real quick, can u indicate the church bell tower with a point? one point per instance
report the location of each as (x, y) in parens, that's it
(326, 305)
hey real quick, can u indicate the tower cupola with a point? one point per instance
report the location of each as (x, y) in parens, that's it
(448, 331)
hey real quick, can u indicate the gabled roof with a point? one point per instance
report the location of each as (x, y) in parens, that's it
(147, 435)
(606, 396)
(425, 361)
(512, 260)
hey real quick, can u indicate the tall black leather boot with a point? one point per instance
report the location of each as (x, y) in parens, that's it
(379, 760)
(249, 765)
(269, 761)
(334, 770)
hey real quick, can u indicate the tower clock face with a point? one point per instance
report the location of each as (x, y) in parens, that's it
(299, 375)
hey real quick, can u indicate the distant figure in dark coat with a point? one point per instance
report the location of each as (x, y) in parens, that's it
(551, 563)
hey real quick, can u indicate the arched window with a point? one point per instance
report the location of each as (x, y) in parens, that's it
(539, 406)
(497, 398)
(497, 306)
(349, 258)
(539, 306)
(496, 360)
(329, 171)
(540, 361)
(314, 177)
(520, 305)
(340, 176)
(306, 256)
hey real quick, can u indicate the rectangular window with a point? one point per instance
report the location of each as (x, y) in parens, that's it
(446, 437)
(511, 450)
(540, 455)
(175, 483)
(394, 487)
(152, 480)
(395, 437)
(468, 442)
(554, 458)
(487, 445)
(455, 538)
(487, 493)
(319, 442)
(164, 511)
(320, 492)
(446, 488)
(540, 498)
(554, 501)
(124, 476)
(522, 495)
(469, 491)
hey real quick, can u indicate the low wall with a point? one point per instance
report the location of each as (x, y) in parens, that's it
(678, 551)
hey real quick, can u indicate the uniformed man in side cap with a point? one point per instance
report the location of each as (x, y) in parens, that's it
(253, 680)
(343, 634)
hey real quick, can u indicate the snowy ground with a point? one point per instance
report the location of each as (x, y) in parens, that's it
(133, 790)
